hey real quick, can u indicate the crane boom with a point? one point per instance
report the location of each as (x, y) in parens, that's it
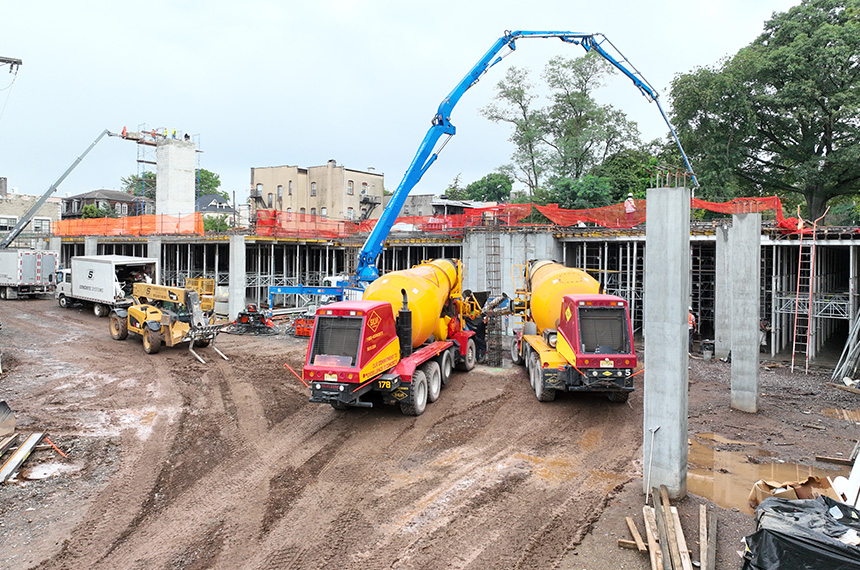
(22, 223)
(441, 125)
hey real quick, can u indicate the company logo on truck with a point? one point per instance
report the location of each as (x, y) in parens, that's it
(374, 321)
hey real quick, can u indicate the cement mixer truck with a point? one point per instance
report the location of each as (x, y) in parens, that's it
(574, 338)
(399, 343)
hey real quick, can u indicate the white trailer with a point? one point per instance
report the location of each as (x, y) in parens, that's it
(26, 272)
(104, 281)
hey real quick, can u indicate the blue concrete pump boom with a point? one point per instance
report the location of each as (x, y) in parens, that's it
(441, 125)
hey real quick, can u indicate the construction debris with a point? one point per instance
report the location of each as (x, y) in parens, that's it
(13, 463)
(7, 419)
(251, 321)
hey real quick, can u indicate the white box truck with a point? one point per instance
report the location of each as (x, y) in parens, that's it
(26, 272)
(104, 281)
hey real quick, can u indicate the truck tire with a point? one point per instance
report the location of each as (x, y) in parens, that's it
(338, 405)
(434, 380)
(417, 400)
(537, 380)
(118, 327)
(151, 341)
(2, 292)
(532, 361)
(100, 310)
(469, 360)
(64, 302)
(446, 366)
(516, 357)
(619, 397)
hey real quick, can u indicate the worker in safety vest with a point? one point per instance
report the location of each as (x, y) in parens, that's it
(691, 327)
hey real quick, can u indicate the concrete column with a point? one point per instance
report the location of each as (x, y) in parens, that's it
(91, 245)
(55, 244)
(723, 295)
(153, 249)
(745, 272)
(667, 285)
(236, 287)
(175, 183)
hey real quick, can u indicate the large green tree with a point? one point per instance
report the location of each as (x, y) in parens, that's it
(494, 187)
(783, 114)
(571, 135)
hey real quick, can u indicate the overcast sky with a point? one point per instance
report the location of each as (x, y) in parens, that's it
(266, 83)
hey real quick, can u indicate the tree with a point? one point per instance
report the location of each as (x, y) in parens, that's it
(782, 115)
(580, 194)
(216, 223)
(135, 185)
(494, 187)
(93, 211)
(209, 183)
(455, 191)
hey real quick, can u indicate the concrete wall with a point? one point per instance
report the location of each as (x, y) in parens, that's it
(745, 278)
(176, 170)
(722, 295)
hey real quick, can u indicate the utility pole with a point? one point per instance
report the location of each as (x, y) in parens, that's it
(14, 63)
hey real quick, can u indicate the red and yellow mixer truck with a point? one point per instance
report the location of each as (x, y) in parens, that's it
(574, 337)
(401, 340)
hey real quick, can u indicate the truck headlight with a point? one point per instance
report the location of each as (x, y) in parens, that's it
(552, 339)
(318, 386)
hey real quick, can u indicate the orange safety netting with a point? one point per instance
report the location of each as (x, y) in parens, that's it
(130, 226)
(617, 216)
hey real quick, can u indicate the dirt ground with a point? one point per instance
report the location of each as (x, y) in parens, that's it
(176, 464)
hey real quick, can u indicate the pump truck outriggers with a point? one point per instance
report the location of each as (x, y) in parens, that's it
(574, 337)
(402, 340)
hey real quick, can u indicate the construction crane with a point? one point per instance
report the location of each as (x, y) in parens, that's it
(26, 218)
(441, 125)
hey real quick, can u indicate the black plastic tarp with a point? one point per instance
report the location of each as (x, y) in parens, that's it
(803, 535)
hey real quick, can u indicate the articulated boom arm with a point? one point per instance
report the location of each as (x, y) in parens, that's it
(441, 125)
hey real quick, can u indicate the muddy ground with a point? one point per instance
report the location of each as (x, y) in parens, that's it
(175, 464)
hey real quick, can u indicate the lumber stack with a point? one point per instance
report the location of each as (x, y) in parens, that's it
(665, 543)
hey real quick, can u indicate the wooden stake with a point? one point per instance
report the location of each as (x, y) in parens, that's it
(671, 538)
(654, 551)
(703, 537)
(686, 562)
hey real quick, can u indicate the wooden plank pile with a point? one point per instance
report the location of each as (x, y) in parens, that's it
(665, 543)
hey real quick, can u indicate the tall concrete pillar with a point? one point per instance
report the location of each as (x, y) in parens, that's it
(153, 249)
(236, 294)
(723, 295)
(745, 271)
(55, 243)
(91, 245)
(175, 180)
(667, 286)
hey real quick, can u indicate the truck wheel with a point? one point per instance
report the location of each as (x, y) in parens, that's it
(417, 401)
(2, 292)
(468, 361)
(532, 364)
(619, 397)
(64, 302)
(118, 327)
(201, 343)
(100, 310)
(434, 380)
(151, 341)
(338, 405)
(541, 394)
(446, 367)
(516, 357)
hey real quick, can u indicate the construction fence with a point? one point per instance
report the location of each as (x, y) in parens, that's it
(277, 223)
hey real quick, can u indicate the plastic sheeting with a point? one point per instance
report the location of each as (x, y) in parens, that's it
(803, 535)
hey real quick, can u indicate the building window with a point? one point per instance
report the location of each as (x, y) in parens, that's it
(65, 207)
(313, 188)
(350, 188)
(324, 212)
(313, 211)
(289, 210)
(259, 189)
(42, 225)
(363, 188)
(269, 201)
(302, 211)
(350, 214)
(290, 189)
(125, 209)
(280, 194)
(76, 205)
(7, 223)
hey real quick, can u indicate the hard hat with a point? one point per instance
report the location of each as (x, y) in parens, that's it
(630, 195)
(691, 309)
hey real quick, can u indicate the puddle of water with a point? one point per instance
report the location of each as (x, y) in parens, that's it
(45, 470)
(726, 477)
(550, 468)
(840, 414)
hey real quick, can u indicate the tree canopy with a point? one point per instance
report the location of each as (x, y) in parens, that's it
(783, 114)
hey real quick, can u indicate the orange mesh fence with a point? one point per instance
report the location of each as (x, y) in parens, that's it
(130, 226)
(616, 216)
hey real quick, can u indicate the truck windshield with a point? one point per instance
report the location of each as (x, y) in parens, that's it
(603, 330)
(336, 336)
